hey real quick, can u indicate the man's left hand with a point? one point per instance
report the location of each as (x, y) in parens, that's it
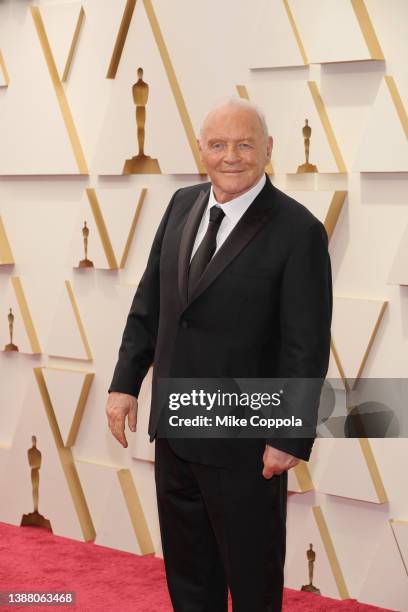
(276, 462)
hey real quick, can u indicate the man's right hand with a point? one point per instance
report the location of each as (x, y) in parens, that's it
(117, 407)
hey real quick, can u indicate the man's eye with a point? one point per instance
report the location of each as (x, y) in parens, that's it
(217, 146)
(244, 145)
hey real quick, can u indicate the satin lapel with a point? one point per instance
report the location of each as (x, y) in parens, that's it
(187, 241)
(251, 222)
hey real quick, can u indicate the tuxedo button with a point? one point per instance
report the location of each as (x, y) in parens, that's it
(184, 324)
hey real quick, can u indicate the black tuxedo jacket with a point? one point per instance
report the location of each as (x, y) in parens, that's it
(262, 309)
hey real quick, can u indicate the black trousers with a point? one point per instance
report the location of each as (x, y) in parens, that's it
(220, 528)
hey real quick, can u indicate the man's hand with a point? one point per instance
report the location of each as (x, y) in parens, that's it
(117, 407)
(277, 461)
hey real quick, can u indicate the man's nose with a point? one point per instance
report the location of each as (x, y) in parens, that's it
(232, 154)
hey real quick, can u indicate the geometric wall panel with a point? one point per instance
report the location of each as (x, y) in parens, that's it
(384, 143)
(335, 30)
(327, 575)
(287, 104)
(111, 223)
(61, 499)
(27, 144)
(68, 337)
(4, 76)
(142, 45)
(400, 530)
(59, 91)
(356, 459)
(68, 390)
(325, 205)
(123, 524)
(6, 256)
(354, 327)
(63, 24)
(399, 269)
(392, 591)
(299, 479)
(24, 332)
(274, 22)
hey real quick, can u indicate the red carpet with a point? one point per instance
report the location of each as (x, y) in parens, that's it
(32, 559)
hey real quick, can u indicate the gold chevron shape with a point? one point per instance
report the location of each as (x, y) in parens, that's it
(69, 308)
(135, 510)
(59, 91)
(69, 391)
(113, 261)
(168, 67)
(367, 29)
(243, 93)
(350, 359)
(398, 104)
(324, 118)
(4, 75)
(295, 32)
(6, 256)
(330, 552)
(67, 461)
(63, 22)
(301, 482)
(24, 315)
(344, 35)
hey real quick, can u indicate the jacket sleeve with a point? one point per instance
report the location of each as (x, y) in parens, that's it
(305, 319)
(139, 337)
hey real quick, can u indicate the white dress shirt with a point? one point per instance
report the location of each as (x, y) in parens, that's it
(234, 209)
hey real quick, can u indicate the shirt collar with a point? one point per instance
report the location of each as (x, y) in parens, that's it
(235, 208)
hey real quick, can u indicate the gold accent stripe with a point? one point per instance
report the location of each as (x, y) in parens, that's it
(243, 93)
(171, 75)
(3, 69)
(73, 44)
(6, 256)
(121, 39)
(330, 552)
(67, 462)
(295, 32)
(327, 126)
(303, 477)
(79, 410)
(372, 338)
(367, 29)
(59, 91)
(26, 315)
(338, 363)
(103, 232)
(78, 320)
(334, 211)
(373, 469)
(135, 511)
(399, 107)
(130, 237)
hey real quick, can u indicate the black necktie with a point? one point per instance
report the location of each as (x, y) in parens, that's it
(206, 249)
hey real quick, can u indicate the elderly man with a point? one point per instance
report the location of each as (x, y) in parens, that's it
(238, 284)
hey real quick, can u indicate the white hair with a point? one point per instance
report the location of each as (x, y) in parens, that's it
(238, 103)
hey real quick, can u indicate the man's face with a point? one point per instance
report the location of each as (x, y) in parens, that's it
(234, 150)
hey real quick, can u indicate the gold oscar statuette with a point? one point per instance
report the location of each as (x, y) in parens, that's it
(35, 518)
(11, 346)
(141, 163)
(311, 556)
(85, 263)
(306, 167)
